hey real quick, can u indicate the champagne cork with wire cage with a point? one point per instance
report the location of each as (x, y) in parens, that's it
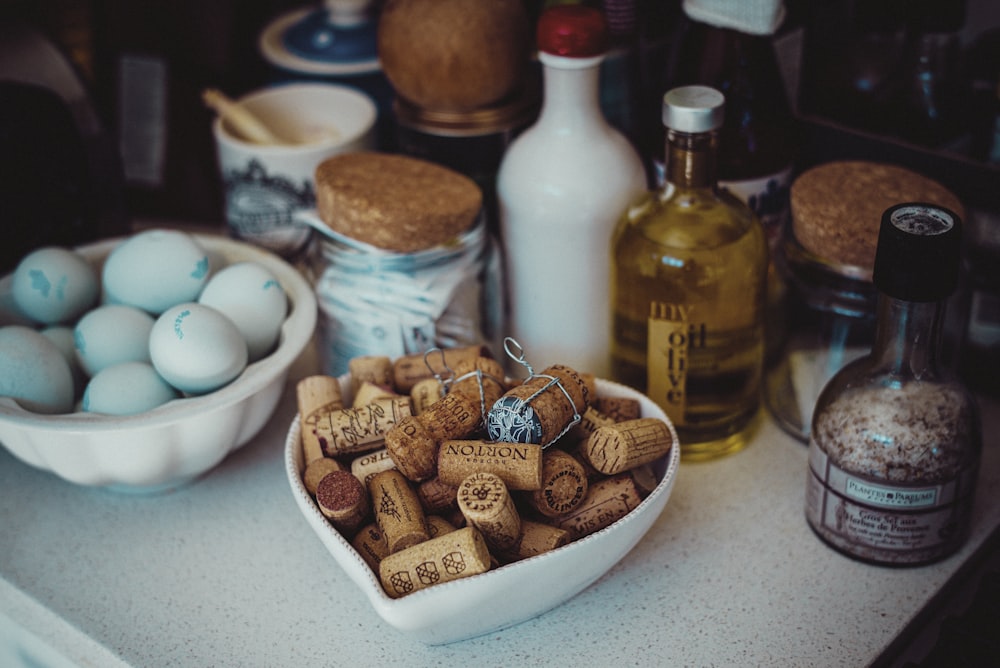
(542, 408)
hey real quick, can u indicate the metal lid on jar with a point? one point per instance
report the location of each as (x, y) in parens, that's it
(572, 31)
(918, 253)
(693, 109)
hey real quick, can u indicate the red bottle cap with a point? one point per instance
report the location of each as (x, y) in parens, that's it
(573, 31)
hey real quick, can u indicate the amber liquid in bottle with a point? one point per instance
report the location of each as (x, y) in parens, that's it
(688, 272)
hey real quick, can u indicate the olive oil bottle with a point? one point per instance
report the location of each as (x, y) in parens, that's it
(689, 265)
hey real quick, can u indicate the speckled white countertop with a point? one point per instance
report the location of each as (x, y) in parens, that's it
(226, 572)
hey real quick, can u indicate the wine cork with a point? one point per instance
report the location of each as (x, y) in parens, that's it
(397, 510)
(368, 392)
(367, 465)
(343, 499)
(374, 369)
(410, 369)
(542, 408)
(481, 379)
(370, 544)
(349, 431)
(619, 409)
(316, 470)
(564, 484)
(591, 420)
(424, 393)
(487, 505)
(455, 555)
(518, 465)
(625, 445)
(645, 478)
(413, 443)
(437, 497)
(315, 395)
(535, 538)
(607, 501)
(438, 526)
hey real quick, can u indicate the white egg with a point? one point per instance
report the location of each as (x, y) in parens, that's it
(112, 334)
(126, 389)
(196, 348)
(155, 269)
(251, 296)
(34, 372)
(53, 285)
(63, 337)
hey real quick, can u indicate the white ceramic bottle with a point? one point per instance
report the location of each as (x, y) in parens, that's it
(561, 187)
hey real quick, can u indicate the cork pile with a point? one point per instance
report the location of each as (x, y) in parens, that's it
(411, 472)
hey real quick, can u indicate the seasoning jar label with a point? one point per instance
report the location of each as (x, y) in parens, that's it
(868, 517)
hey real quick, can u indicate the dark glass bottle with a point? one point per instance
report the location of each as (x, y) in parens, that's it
(757, 142)
(895, 444)
(933, 95)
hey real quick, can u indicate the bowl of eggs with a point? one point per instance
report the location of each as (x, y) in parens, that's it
(138, 363)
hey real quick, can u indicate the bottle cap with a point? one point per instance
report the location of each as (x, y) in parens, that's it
(693, 109)
(573, 31)
(918, 253)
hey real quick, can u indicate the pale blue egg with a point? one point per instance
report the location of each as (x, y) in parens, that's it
(112, 334)
(250, 295)
(155, 269)
(54, 285)
(128, 388)
(196, 348)
(34, 372)
(63, 337)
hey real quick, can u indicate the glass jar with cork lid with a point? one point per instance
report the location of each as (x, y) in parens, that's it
(404, 262)
(827, 261)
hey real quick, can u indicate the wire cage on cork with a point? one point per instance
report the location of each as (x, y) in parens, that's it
(542, 408)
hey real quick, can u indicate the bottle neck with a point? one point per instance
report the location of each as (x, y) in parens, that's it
(691, 159)
(571, 92)
(907, 338)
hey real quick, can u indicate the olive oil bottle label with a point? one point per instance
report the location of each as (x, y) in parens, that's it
(672, 335)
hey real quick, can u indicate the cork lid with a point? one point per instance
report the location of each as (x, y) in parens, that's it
(837, 207)
(395, 202)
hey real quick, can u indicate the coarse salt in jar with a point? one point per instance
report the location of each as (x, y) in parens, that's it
(827, 261)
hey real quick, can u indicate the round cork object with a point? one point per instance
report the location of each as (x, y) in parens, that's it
(395, 202)
(837, 207)
(454, 55)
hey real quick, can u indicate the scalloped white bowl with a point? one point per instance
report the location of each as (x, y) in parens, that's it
(507, 595)
(184, 438)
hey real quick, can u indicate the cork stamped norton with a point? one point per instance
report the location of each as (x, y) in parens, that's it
(507, 595)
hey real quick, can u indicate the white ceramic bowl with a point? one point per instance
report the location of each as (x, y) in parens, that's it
(496, 599)
(184, 438)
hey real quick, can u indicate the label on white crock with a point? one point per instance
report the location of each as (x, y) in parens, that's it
(859, 513)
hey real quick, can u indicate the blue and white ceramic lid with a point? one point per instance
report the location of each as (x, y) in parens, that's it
(338, 38)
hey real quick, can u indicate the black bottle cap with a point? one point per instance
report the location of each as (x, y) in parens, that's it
(918, 253)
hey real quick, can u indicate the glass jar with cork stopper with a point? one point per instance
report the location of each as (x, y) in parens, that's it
(827, 261)
(896, 439)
